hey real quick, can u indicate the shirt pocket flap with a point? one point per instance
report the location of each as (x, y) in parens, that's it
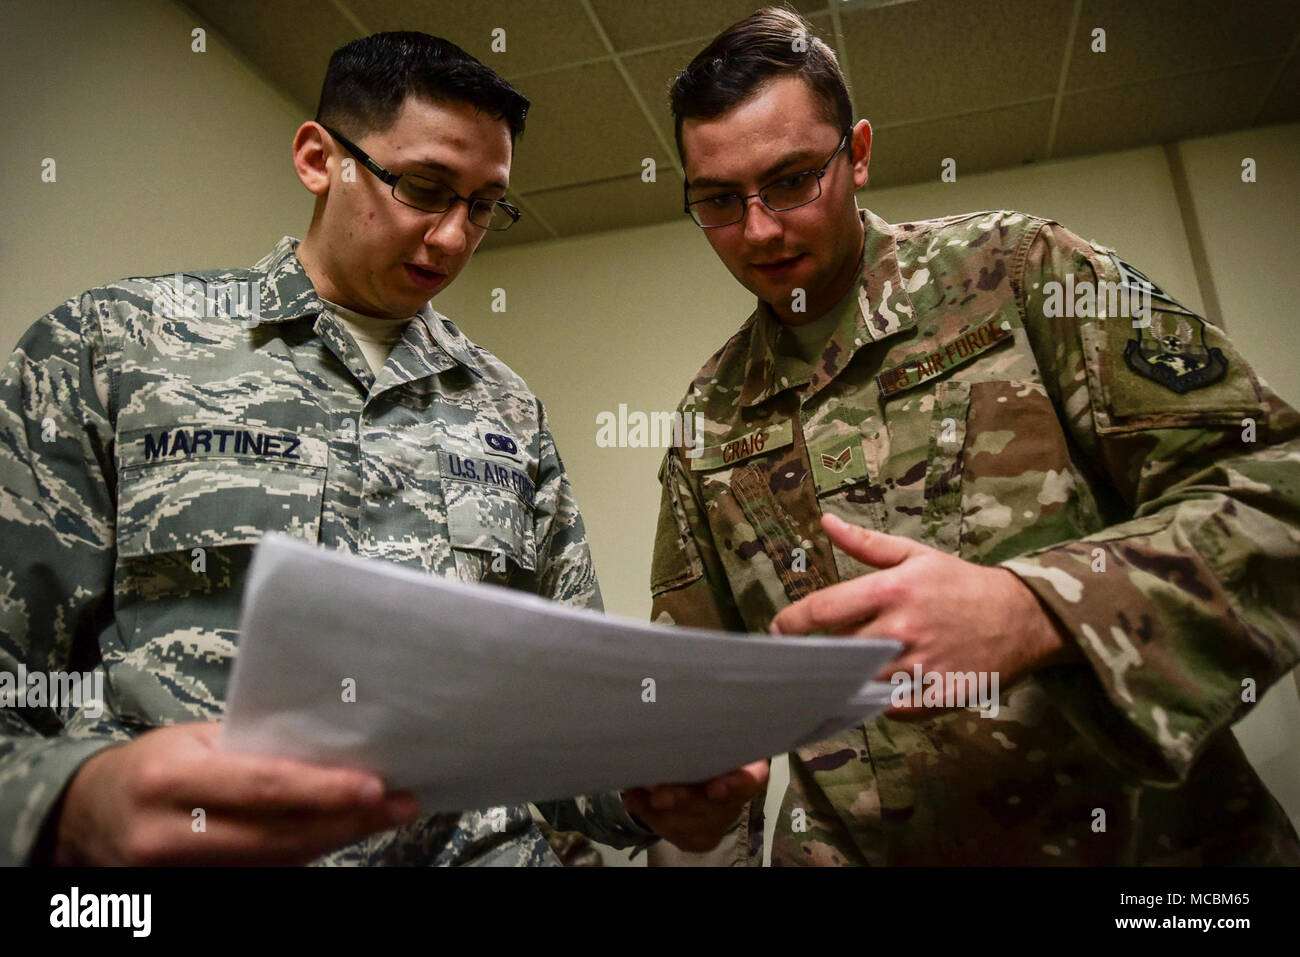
(489, 507)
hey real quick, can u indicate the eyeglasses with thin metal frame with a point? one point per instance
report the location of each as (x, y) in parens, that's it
(430, 196)
(789, 192)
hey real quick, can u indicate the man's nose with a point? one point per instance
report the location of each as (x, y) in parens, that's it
(447, 231)
(761, 224)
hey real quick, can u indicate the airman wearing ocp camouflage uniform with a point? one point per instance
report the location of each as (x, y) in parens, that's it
(144, 449)
(1135, 474)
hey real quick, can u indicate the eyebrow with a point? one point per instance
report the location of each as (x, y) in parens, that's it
(444, 168)
(799, 156)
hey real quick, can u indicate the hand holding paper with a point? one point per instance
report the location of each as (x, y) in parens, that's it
(695, 817)
(472, 696)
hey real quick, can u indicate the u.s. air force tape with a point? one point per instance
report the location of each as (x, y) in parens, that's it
(457, 467)
(942, 357)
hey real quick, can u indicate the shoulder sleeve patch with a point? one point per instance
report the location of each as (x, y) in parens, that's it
(1161, 365)
(1171, 350)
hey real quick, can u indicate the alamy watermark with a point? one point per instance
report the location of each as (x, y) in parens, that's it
(946, 689)
(648, 430)
(74, 909)
(1083, 299)
(53, 689)
(183, 297)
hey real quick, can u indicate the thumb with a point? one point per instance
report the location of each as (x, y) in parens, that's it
(743, 782)
(877, 549)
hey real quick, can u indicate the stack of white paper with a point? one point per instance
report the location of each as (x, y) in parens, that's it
(473, 696)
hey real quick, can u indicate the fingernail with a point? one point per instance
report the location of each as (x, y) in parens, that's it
(371, 791)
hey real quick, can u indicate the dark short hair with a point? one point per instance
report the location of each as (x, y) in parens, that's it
(746, 55)
(369, 79)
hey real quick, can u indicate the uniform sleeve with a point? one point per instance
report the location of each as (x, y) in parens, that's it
(687, 583)
(688, 587)
(565, 573)
(1186, 607)
(56, 568)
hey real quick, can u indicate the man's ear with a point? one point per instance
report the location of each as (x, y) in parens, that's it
(311, 157)
(860, 141)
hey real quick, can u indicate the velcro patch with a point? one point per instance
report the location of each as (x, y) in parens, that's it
(1172, 351)
(943, 357)
(178, 443)
(1133, 279)
(500, 443)
(837, 463)
(455, 467)
(837, 460)
(735, 450)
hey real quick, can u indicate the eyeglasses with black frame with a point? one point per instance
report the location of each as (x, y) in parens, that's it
(430, 196)
(789, 192)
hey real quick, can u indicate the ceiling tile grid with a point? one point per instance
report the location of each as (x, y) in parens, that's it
(991, 84)
(976, 143)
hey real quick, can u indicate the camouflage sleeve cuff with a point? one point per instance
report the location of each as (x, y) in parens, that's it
(1094, 695)
(33, 776)
(1158, 683)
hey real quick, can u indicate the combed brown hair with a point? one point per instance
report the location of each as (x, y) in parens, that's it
(749, 53)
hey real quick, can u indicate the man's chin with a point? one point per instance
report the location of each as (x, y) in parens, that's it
(769, 291)
(779, 294)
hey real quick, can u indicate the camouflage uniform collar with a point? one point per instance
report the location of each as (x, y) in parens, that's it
(448, 340)
(884, 309)
(287, 293)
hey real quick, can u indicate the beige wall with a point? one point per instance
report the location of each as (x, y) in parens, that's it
(165, 159)
(169, 159)
(1250, 235)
